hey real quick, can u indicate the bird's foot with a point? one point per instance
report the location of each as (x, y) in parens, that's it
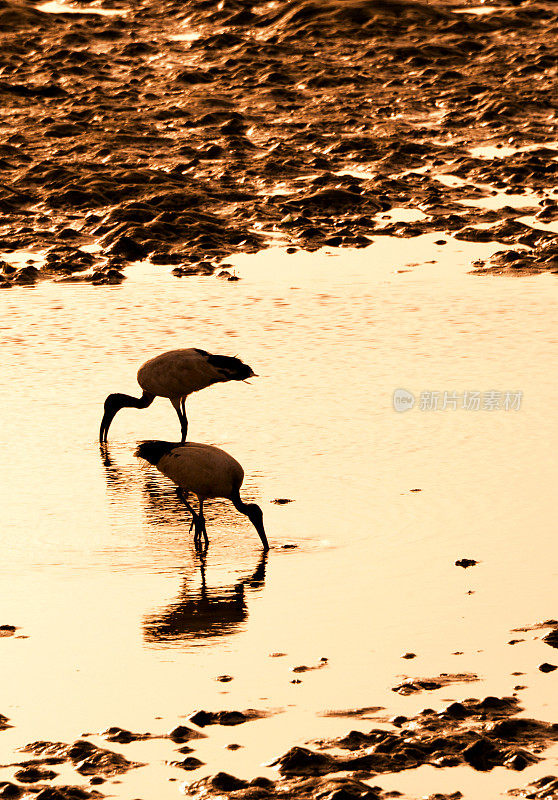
(201, 533)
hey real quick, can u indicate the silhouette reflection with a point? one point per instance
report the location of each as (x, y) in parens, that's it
(160, 504)
(118, 479)
(200, 612)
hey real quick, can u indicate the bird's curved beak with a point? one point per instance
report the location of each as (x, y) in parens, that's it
(108, 417)
(261, 532)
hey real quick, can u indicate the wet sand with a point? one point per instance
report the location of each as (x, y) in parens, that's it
(398, 638)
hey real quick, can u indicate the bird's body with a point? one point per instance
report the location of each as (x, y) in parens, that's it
(207, 472)
(202, 469)
(175, 375)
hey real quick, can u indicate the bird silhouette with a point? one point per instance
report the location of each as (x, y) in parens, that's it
(205, 471)
(175, 375)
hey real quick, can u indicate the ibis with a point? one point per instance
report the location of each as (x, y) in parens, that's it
(205, 471)
(175, 375)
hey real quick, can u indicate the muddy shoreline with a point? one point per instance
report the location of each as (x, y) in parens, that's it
(480, 734)
(184, 133)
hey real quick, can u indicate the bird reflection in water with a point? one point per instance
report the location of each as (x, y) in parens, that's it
(200, 612)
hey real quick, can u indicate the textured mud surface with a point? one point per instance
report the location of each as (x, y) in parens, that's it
(184, 132)
(480, 734)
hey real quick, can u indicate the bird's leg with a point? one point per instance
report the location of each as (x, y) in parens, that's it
(184, 419)
(195, 517)
(202, 522)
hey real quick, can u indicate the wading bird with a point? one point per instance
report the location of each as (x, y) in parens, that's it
(207, 472)
(175, 375)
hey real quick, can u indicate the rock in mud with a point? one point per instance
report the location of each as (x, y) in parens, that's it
(182, 733)
(542, 789)
(482, 754)
(67, 793)
(302, 761)
(87, 758)
(353, 712)
(315, 788)
(414, 685)
(466, 562)
(34, 774)
(221, 782)
(9, 791)
(483, 734)
(189, 763)
(306, 668)
(203, 718)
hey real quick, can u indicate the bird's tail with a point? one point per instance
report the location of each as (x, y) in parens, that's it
(153, 450)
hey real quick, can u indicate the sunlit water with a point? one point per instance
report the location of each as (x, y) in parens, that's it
(123, 623)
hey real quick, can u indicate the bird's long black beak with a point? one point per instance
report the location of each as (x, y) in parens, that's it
(261, 532)
(108, 417)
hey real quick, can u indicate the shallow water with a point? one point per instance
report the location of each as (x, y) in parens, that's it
(125, 626)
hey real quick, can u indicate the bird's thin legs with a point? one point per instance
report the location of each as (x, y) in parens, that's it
(198, 521)
(181, 411)
(202, 521)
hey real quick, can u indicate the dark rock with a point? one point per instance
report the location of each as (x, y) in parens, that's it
(551, 638)
(116, 734)
(181, 733)
(34, 774)
(483, 755)
(223, 782)
(189, 763)
(7, 630)
(129, 249)
(519, 760)
(87, 758)
(301, 761)
(9, 791)
(546, 667)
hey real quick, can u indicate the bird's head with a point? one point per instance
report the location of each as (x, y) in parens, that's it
(255, 515)
(113, 404)
(246, 372)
